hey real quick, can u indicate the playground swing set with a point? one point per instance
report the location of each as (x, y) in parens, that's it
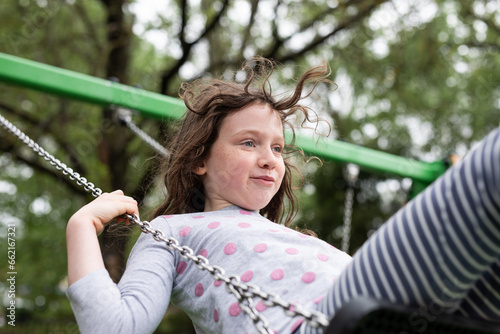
(361, 315)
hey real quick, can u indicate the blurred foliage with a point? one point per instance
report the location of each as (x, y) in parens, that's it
(419, 79)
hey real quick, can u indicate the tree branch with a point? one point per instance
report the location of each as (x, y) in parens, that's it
(182, 32)
(43, 127)
(210, 26)
(278, 42)
(89, 27)
(489, 21)
(187, 46)
(253, 13)
(343, 25)
(44, 168)
(23, 116)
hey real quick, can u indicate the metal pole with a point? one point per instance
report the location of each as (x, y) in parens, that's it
(78, 86)
(370, 159)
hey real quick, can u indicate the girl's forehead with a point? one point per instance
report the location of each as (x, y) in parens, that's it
(258, 116)
(257, 112)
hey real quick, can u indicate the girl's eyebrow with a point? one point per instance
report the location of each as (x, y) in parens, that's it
(257, 132)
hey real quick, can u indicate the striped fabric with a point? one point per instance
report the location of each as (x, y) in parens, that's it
(441, 251)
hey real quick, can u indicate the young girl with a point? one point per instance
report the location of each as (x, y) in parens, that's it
(227, 180)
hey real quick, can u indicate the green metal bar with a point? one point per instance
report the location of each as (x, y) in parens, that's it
(65, 83)
(83, 87)
(371, 159)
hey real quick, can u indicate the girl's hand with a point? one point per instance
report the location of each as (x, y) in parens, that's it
(84, 253)
(104, 209)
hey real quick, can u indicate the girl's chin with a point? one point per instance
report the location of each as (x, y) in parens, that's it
(255, 206)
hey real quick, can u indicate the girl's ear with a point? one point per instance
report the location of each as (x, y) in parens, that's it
(200, 170)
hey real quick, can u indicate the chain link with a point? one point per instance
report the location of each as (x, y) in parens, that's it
(351, 173)
(80, 180)
(125, 117)
(243, 292)
(346, 227)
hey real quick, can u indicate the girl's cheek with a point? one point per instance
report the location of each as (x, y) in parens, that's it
(282, 169)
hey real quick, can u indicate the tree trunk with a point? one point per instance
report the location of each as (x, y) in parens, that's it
(112, 148)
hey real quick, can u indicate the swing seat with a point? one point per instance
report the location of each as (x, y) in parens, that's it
(365, 315)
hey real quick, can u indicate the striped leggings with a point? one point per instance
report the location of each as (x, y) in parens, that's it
(441, 251)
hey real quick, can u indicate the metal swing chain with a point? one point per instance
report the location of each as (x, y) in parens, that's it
(244, 292)
(351, 173)
(80, 180)
(125, 116)
(346, 228)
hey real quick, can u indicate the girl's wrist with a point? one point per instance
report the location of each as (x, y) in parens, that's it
(80, 224)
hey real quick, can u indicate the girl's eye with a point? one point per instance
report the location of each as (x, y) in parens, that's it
(277, 149)
(249, 143)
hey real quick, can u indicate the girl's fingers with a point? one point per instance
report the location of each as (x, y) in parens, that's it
(130, 206)
(111, 206)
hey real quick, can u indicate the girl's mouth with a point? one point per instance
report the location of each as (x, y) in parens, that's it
(264, 179)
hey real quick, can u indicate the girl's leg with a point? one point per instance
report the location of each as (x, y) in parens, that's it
(440, 250)
(486, 292)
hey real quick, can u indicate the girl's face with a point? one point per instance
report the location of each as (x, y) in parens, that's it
(244, 165)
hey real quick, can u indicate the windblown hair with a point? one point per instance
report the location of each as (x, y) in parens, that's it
(209, 102)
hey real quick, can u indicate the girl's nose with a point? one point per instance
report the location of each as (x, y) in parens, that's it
(267, 159)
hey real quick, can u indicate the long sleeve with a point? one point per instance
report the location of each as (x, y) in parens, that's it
(137, 303)
(296, 267)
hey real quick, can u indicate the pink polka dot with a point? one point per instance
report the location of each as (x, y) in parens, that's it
(184, 231)
(234, 309)
(247, 276)
(230, 248)
(317, 300)
(273, 230)
(260, 248)
(216, 315)
(292, 251)
(260, 306)
(213, 225)
(168, 216)
(181, 267)
(243, 212)
(296, 324)
(286, 229)
(218, 283)
(308, 277)
(244, 225)
(204, 253)
(322, 257)
(303, 235)
(198, 290)
(277, 274)
(198, 217)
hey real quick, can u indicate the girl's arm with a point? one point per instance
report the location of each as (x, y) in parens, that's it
(138, 302)
(84, 253)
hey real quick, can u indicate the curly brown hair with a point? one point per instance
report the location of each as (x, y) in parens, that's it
(209, 102)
